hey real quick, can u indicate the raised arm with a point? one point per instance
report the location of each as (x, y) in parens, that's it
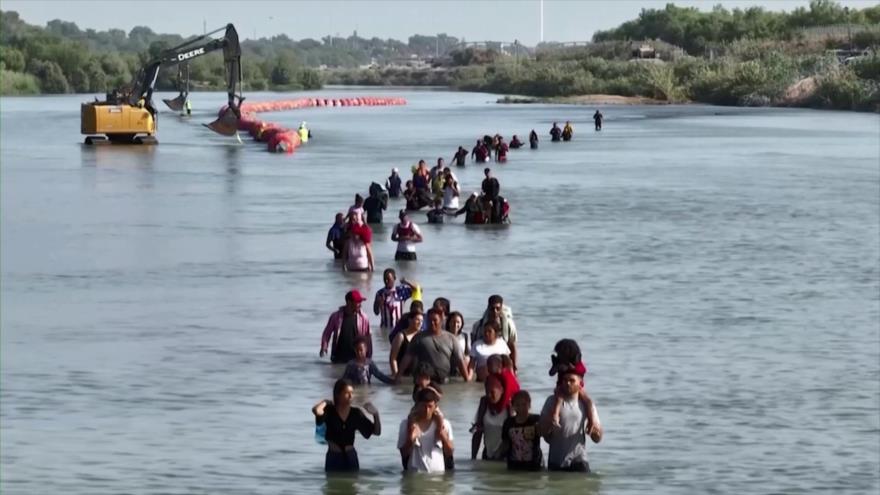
(318, 410)
(377, 424)
(408, 435)
(445, 437)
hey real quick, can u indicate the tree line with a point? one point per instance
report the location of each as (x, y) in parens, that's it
(62, 58)
(741, 57)
(697, 32)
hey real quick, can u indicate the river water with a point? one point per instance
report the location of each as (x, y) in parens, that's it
(162, 306)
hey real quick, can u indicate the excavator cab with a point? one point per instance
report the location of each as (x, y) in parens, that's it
(127, 115)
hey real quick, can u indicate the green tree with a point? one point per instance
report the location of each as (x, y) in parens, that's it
(97, 77)
(280, 75)
(310, 79)
(13, 59)
(49, 75)
(79, 81)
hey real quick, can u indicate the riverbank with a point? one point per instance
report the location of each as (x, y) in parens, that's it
(593, 99)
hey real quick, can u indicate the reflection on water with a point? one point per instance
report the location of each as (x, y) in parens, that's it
(114, 156)
(162, 305)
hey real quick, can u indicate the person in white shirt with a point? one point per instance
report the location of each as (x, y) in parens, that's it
(501, 314)
(451, 191)
(488, 345)
(406, 234)
(425, 437)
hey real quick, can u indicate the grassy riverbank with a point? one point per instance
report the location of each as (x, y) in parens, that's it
(747, 73)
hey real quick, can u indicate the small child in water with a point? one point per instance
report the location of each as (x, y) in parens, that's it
(361, 369)
(521, 436)
(567, 356)
(422, 379)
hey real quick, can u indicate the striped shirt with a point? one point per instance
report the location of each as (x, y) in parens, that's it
(391, 304)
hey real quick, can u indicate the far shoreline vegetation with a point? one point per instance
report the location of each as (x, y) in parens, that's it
(821, 56)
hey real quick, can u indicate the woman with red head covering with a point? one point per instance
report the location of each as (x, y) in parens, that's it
(357, 255)
(493, 411)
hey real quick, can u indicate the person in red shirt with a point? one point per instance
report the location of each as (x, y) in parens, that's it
(357, 255)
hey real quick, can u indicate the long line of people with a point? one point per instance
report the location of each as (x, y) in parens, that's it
(437, 188)
(432, 347)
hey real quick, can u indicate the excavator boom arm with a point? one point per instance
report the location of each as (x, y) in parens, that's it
(145, 81)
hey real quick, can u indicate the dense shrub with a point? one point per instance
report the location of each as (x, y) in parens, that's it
(18, 83)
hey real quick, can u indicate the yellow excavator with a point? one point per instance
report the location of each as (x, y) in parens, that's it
(128, 116)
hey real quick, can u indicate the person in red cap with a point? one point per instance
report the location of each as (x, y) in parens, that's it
(344, 327)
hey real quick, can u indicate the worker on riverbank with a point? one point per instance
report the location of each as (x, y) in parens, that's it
(597, 118)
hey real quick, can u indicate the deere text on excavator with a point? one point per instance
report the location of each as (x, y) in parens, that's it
(127, 115)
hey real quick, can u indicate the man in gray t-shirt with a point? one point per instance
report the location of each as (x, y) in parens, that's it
(568, 440)
(438, 348)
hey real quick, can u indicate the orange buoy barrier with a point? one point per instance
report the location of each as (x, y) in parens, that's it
(282, 140)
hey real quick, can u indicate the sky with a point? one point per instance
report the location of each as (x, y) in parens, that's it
(473, 20)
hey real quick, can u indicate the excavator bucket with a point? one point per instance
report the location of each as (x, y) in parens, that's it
(226, 124)
(176, 104)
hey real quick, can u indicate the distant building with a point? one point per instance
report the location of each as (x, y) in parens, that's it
(644, 51)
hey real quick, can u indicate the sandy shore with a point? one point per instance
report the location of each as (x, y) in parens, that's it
(585, 100)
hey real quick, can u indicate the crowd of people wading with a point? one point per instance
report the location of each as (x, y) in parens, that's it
(432, 348)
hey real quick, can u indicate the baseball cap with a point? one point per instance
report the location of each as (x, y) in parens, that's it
(355, 295)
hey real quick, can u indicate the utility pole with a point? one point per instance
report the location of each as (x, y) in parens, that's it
(542, 21)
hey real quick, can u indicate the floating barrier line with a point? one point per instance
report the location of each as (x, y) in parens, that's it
(283, 140)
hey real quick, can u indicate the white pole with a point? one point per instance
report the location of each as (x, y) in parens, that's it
(542, 21)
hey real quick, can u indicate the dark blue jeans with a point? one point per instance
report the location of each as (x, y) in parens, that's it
(341, 461)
